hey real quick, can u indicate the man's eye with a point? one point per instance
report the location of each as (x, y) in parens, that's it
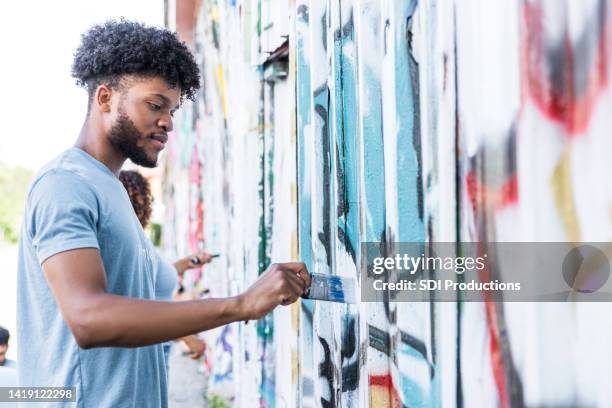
(154, 106)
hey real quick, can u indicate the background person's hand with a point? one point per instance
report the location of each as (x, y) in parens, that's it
(186, 263)
(281, 284)
(203, 257)
(195, 345)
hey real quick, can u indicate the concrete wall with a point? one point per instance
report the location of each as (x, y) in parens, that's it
(324, 124)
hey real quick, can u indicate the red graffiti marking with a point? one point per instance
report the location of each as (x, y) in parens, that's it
(499, 198)
(386, 383)
(196, 209)
(497, 361)
(495, 350)
(564, 80)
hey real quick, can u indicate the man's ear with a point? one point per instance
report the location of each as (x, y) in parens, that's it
(102, 98)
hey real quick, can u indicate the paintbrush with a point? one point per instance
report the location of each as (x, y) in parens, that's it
(331, 288)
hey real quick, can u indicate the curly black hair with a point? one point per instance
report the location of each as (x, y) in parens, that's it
(114, 49)
(139, 191)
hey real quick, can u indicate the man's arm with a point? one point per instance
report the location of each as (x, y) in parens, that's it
(99, 319)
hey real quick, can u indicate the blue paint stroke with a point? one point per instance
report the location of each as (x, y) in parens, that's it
(373, 160)
(410, 222)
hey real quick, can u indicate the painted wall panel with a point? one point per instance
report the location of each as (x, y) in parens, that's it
(323, 124)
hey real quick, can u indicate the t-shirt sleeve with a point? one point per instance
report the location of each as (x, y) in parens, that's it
(62, 214)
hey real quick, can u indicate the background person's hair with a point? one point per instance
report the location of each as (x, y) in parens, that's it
(111, 50)
(4, 336)
(139, 191)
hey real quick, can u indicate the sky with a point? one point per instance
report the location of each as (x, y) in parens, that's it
(41, 108)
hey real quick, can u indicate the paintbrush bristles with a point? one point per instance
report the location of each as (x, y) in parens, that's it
(331, 288)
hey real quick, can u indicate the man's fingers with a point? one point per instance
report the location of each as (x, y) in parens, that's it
(300, 270)
(297, 276)
(305, 276)
(295, 285)
(296, 266)
(289, 300)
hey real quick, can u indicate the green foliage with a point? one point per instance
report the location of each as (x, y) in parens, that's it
(215, 401)
(155, 231)
(14, 182)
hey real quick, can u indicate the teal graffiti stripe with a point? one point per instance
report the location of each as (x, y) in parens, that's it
(410, 228)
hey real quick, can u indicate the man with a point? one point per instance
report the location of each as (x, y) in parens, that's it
(85, 284)
(8, 372)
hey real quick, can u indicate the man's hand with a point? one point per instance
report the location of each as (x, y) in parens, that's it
(281, 284)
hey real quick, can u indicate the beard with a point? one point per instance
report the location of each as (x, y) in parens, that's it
(124, 137)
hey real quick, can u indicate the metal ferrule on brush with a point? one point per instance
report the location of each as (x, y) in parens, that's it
(331, 288)
(319, 287)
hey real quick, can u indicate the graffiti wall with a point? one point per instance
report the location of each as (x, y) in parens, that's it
(324, 124)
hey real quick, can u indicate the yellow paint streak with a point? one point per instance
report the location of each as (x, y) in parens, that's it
(293, 128)
(563, 195)
(259, 129)
(294, 367)
(213, 13)
(295, 324)
(295, 316)
(294, 246)
(221, 83)
(293, 194)
(379, 397)
(292, 76)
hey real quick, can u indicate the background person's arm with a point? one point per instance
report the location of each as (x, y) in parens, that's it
(99, 319)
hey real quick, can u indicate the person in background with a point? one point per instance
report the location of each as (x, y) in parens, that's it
(8, 369)
(139, 192)
(4, 344)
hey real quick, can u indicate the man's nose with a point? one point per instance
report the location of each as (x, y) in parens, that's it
(166, 123)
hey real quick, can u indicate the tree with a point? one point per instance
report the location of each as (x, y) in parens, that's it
(14, 183)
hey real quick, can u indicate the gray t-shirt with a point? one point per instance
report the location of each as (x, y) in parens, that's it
(76, 202)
